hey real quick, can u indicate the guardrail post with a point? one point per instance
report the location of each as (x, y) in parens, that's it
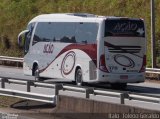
(158, 77)
(3, 83)
(56, 99)
(122, 97)
(57, 88)
(89, 91)
(17, 64)
(29, 83)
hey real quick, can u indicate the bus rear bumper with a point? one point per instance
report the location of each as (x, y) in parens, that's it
(121, 78)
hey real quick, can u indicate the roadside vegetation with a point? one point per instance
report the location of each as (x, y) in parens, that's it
(15, 14)
(8, 101)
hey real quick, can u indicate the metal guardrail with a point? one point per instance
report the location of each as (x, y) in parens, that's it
(11, 59)
(61, 87)
(144, 98)
(26, 95)
(153, 70)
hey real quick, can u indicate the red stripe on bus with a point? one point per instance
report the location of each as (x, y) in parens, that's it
(89, 49)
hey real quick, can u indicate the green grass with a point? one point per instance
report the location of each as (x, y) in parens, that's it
(15, 14)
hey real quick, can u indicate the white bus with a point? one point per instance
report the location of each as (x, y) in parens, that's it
(85, 48)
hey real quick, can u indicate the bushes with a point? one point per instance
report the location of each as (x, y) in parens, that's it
(6, 42)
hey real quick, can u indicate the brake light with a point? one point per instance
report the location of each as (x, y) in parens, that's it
(143, 68)
(102, 64)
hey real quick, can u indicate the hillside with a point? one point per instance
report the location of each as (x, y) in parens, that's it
(15, 14)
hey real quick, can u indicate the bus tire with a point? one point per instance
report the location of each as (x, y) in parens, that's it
(78, 77)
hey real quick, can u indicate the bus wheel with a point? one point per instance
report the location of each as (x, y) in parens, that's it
(36, 72)
(119, 85)
(78, 77)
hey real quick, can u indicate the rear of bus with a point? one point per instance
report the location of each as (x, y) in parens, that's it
(124, 57)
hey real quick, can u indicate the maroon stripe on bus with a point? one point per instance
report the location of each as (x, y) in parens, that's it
(89, 49)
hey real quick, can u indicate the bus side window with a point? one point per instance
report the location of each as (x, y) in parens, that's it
(86, 33)
(54, 32)
(65, 32)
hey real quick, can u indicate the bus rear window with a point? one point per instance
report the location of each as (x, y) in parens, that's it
(124, 28)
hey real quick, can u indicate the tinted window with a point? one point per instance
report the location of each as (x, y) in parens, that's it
(65, 32)
(55, 32)
(86, 32)
(116, 27)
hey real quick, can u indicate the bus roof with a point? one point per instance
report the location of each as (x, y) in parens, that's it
(73, 17)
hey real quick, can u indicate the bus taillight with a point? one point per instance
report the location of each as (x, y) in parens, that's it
(102, 64)
(143, 64)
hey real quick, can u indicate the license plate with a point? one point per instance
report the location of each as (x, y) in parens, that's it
(123, 76)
